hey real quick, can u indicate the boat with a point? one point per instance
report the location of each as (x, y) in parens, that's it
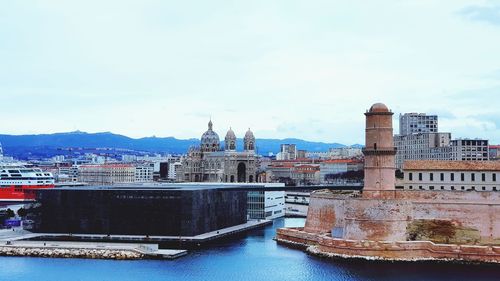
(19, 183)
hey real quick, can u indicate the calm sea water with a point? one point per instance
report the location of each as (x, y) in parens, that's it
(254, 257)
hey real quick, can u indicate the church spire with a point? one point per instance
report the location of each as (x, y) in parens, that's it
(210, 124)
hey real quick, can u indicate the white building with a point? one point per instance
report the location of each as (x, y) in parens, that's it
(337, 166)
(106, 174)
(469, 149)
(452, 175)
(422, 146)
(129, 158)
(173, 169)
(411, 123)
(287, 152)
(345, 152)
(67, 174)
(144, 172)
(266, 204)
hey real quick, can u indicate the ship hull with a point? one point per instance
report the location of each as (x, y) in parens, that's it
(20, 193)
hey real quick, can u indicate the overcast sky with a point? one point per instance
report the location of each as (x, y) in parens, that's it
(304, 69)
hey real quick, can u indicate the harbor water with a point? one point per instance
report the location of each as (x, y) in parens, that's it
(253, 256)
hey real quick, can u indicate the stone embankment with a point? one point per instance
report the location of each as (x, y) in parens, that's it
(71, 253)
(326, 246)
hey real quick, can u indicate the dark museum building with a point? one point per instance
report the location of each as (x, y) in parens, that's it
(144, 210)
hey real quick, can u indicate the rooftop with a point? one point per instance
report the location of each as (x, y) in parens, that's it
(170, 186)
(452, 165)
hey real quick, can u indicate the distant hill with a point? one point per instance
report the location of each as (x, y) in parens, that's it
(28, 146)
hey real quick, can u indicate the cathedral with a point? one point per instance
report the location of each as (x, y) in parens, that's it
(210, 163)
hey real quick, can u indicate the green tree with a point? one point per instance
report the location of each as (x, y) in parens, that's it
(22, 212)
(10, 213)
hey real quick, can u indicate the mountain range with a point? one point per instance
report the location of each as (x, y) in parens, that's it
(29, 146)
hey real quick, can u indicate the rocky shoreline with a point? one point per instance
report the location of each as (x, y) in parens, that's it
(71, 253)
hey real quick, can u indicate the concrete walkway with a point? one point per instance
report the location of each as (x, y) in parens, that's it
(15, 238)
(205, 237)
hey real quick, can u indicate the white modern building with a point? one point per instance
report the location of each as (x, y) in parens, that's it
(422, 146)
(451, 175)
(287, 152)
(173, 170)
(414, 123)
(144, 172)
(470, 149)
(266, 204)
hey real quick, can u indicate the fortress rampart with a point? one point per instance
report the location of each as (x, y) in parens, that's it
(381, 222)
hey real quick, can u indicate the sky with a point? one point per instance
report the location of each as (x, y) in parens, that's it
(301, 69)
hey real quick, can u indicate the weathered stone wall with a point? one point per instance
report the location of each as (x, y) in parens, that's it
(387, 219)
(376, 219)
(325, 211)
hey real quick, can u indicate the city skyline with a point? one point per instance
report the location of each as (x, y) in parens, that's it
(285, 70)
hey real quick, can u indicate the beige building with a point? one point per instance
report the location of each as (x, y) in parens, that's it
(107, 174)
(452, 175)
(210, 163)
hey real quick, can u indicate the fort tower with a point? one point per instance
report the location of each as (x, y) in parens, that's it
(379, 151)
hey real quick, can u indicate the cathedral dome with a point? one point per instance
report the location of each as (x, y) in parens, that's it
(210, 140)
(379, 107)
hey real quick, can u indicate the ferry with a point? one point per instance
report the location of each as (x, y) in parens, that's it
(19, 183)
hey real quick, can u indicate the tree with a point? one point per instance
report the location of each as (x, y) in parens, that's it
(287, 181)
(10, 213)
(356, 176)
(22, 212)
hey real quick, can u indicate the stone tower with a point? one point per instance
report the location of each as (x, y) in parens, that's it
(379, 152)
(230, 141)
(249, 141)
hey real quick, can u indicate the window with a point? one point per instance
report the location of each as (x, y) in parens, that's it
(473, 177)
(483, 177)
(419, 176)
(494, 177)
(452, 187)
(431, 187)
(442, 187)
(441, 177)
(462, 177)
(420, 187)
(484, 188)
(431, 176)
(410, 176)
(463, 188)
